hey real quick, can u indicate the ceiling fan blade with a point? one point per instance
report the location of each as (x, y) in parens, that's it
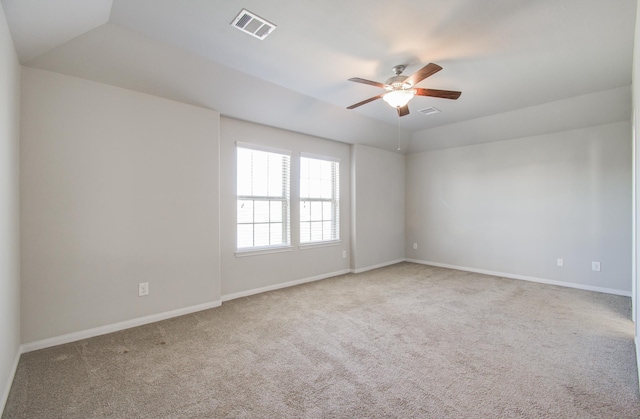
(445, 94)
(404, 110)
(364, 102)
(426, 71)
(365, 81)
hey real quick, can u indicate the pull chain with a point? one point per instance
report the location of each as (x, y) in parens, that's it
(399, 149)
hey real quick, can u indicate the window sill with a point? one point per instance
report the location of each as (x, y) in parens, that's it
(262, 251)
(306, 246)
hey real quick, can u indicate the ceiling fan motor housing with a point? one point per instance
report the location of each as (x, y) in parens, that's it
(397, 83)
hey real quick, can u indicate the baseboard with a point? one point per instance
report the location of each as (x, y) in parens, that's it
(115, 327)
(7, 388)
(379, 265)
(526, 278)
(229, 297)
(637, 340)
(110, 328)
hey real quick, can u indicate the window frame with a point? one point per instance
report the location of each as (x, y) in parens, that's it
(285, 198)
(334, 201)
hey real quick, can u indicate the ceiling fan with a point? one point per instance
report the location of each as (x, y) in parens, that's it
(400, 90)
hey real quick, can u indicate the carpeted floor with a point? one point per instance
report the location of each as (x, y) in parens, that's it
(406, 341)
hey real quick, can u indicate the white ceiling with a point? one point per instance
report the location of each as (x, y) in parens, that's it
(504, 55)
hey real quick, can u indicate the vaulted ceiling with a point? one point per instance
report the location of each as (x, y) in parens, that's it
(504, 55)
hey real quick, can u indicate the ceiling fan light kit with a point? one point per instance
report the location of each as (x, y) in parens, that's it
(399, 88)
(398, 98)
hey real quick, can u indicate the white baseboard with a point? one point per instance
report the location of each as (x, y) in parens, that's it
(229, 297)
(526, 278)
(637, 340)
(103, 330)
(7, 388)
(379, 265)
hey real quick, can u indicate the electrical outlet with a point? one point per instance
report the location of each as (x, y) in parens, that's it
(415, 246)
(560, 262)
(344, 254)
(143, 289)
(595, 266)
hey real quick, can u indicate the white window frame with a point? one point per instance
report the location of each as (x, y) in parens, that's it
(285, 198)
(334, 202)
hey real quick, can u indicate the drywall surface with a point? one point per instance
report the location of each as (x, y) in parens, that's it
(517, 206)
(9, 199)
(262, 271)
(111, 55)
(118, 188)
(636, 194)
(377, 207)
(613, 105)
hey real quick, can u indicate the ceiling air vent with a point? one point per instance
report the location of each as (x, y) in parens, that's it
(429, 111)
(252, 24)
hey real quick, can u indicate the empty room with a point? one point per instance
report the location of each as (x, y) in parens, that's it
(329, 209)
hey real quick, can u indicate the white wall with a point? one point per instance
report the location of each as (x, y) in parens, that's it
(247, 274)
(378, 207)
(612, 105)
(9, 232)
(516, 206)
(118, 188)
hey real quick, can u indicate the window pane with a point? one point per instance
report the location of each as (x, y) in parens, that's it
(244, 172)
(245, 235)
(326, 189)
(315, 169)
(261, 211)
(316, 231)
(327, 213)
(304, 187)
(315, 186)
(319, 181)
(326, 168)
(260, 172)
(305, 232)
(305, 211)
(276, 233)
(245, 211)
(262, 222)
(327, 230)
(275, 175)
(261, 235)
(276, 211)
(316, 211)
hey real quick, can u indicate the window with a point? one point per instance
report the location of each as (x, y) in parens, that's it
(319, 200)
(262, 198)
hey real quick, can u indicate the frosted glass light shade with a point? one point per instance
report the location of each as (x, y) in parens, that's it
(398, 98)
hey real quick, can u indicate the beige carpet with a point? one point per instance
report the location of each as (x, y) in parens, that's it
(406, 341)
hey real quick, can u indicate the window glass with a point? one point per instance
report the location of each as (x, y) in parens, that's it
(262, 199)
(319, 200)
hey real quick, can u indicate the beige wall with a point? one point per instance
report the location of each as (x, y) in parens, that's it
(117, 188)
(121, 187)
(378, 207)
(243, 275)
(636, 195)
(9, 240)
(516, 206)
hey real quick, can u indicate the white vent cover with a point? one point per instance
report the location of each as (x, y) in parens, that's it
(429, 111)
(252, 24)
